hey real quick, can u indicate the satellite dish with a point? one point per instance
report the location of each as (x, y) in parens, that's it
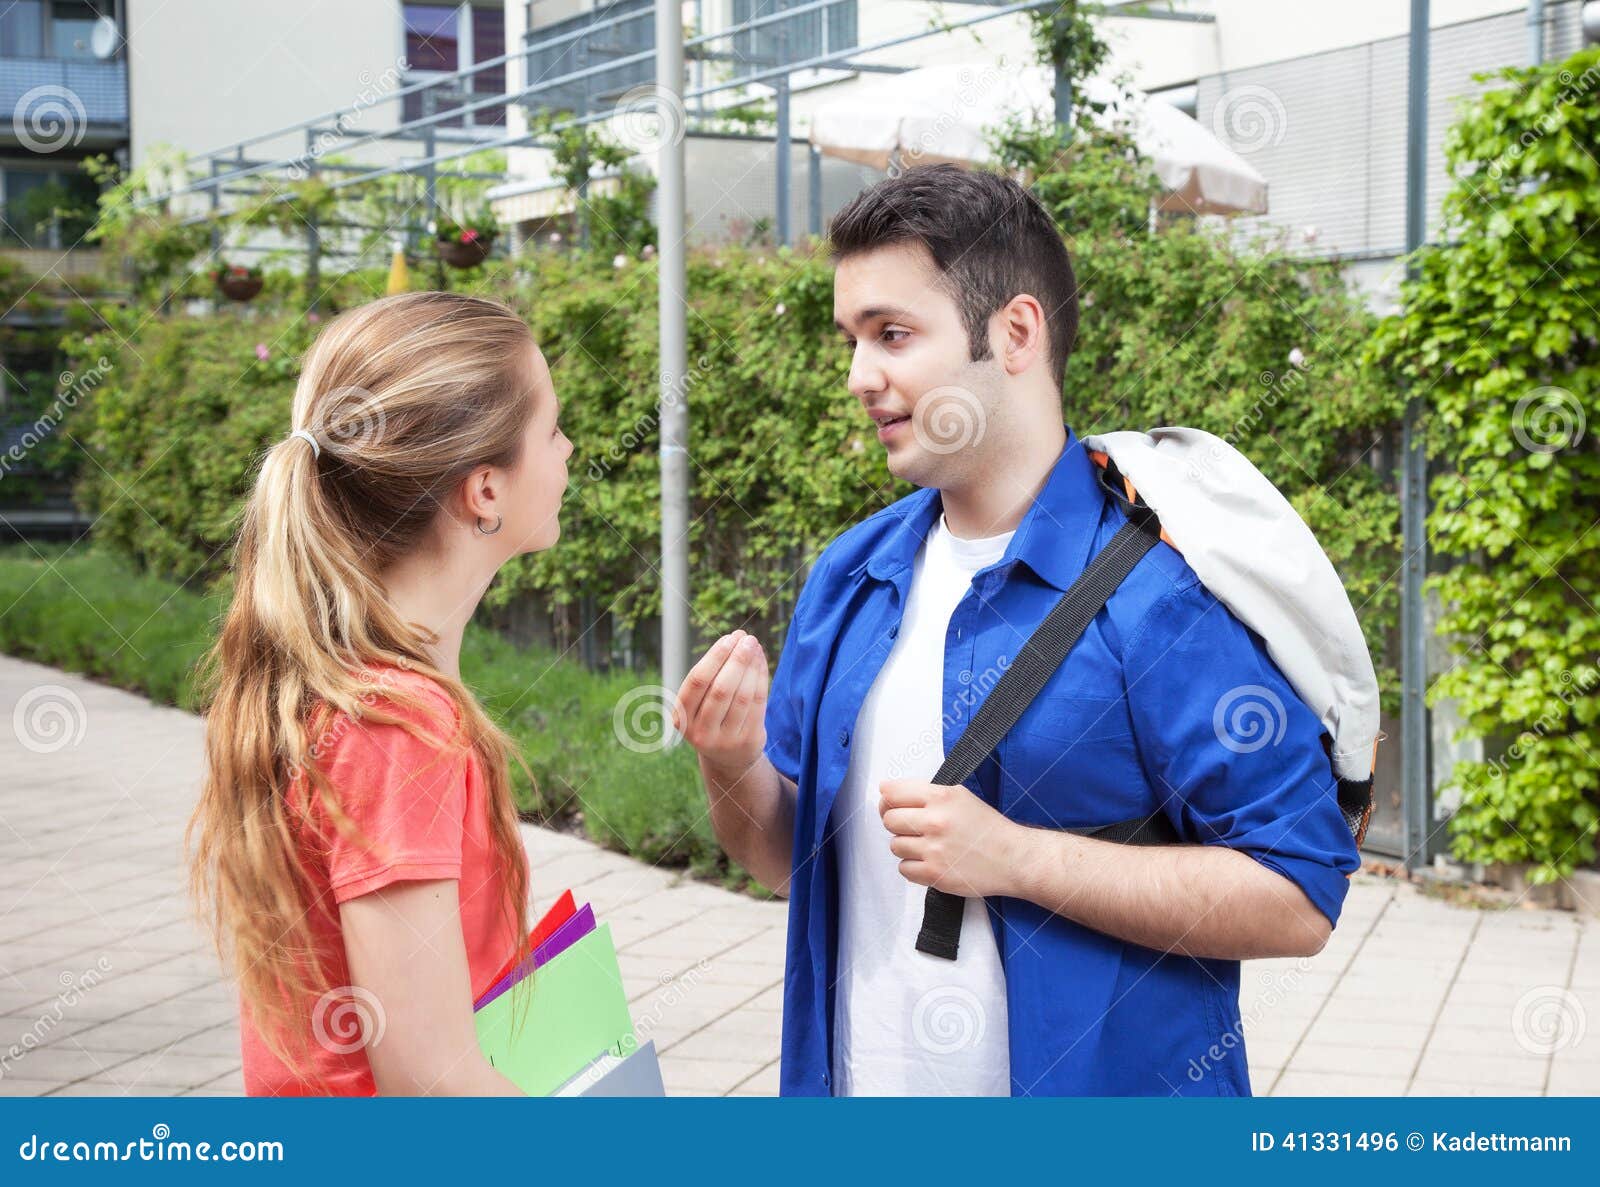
(105, 39)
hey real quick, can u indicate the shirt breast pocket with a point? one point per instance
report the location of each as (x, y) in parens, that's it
(1071, 762)
(1075, 720)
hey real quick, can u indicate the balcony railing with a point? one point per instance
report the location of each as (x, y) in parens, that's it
(60, 103)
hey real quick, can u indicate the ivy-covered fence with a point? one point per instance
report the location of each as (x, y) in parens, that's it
(1501, 336)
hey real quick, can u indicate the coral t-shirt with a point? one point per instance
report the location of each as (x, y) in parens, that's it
(424, 812)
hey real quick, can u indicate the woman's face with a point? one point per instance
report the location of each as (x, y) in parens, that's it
(538, 481)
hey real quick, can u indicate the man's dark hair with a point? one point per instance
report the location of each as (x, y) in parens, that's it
(989, 238)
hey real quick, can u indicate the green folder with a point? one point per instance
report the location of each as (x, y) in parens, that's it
(575, 1007)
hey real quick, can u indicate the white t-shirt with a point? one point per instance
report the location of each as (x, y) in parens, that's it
(906, 1023)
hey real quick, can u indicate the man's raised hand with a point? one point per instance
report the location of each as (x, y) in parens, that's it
(721, 707)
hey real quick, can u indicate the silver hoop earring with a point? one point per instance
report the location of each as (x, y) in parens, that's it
(499, 522)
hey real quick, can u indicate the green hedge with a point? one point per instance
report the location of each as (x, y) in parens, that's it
(1178, 329)
(90, 610)
(1509, 377)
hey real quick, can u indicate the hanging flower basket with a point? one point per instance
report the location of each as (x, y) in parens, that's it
(464, 255)
(464, 246)
(238, 283)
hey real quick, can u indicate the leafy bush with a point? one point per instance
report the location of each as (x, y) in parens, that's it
(1500, 337)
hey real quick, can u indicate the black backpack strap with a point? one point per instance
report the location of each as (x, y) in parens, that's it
(1041, 655)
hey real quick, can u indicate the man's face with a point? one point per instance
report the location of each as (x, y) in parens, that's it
(934, 409)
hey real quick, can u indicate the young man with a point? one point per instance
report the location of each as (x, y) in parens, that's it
(1085, 966)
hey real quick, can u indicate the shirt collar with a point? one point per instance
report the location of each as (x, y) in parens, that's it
(1053, 539)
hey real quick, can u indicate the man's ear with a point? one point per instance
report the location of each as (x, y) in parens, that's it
(1022, 333)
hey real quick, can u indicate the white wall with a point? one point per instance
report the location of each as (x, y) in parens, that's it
(205, 73)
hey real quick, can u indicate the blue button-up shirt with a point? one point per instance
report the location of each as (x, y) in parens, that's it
(1167, 703)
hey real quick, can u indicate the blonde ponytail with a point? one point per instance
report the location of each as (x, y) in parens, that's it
(402, 398)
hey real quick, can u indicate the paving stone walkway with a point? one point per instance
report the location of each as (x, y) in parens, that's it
(108, 987)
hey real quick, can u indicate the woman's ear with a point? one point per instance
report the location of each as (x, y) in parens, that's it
(1022, 326)
(479, 494)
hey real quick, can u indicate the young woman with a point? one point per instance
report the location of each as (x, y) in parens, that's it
(355, 849)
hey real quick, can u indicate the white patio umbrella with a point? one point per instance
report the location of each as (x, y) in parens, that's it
(948, 112)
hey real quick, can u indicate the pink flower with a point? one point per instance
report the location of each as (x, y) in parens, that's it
(262, 352)
(313, 317)
(469, 236)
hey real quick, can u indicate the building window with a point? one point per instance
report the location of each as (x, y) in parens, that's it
(442, 39)
(72, 25)
(51, 28)
(50, 208)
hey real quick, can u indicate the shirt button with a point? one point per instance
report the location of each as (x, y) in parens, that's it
(844, 737)
(894, 632)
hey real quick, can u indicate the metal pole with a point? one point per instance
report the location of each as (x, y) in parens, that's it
(1414, 494)
(313, 238)
(814, 185)
(582, 196)
(782, 87)
(1535, 32)
(673, 311)
(1063, 92)
(430, 189)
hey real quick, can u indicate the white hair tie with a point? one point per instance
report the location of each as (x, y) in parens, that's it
(316, 450)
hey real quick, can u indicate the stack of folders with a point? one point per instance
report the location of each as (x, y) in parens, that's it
(557, 1023)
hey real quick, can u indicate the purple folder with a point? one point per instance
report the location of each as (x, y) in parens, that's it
(568, 934)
